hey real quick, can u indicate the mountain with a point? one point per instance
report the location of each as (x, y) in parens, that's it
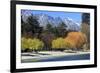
(25, 14)
(71, 25)
(45, 19)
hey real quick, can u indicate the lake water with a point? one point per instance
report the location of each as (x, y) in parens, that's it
(69, 58)
(61, 58)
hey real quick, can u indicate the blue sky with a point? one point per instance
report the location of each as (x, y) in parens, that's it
(76, 16)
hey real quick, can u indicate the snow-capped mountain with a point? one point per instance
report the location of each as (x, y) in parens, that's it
(45, 19)
(25, 14)
(71, 25)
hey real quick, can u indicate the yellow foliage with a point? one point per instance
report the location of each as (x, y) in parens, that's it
(24, 43)
(58, 43)
(36, 44)
(30, 43)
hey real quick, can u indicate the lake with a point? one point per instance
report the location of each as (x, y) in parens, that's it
(61, 58)
(69, 58)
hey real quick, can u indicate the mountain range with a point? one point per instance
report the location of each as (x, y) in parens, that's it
(45, 19)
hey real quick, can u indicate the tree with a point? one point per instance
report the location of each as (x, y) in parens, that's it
(86, 18)
(62, 29)
(30, 26)
(32, 20)
(75, 40)
(32, 44)
(35, 44)
(58, 31)
(24, 43)
(59, 43)
(47, 38)
(49, 27)
(85, 27)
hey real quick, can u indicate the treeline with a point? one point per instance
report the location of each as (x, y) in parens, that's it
(74, 41)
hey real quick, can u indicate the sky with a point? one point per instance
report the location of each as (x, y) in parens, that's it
(75, 16)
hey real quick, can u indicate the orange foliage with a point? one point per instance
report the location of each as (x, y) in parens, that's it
(75, 39)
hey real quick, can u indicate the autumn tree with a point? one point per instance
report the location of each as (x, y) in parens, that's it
(75, 40)
(35, 44)
(58, 43)
(32, 44)
(24, 43)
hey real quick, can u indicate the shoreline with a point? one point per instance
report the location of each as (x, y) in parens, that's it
(52, 55)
